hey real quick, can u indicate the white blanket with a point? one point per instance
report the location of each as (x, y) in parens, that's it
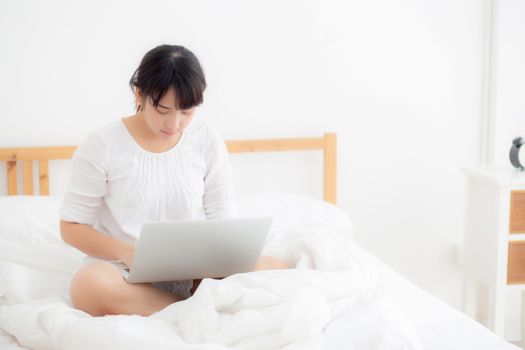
(272, 309)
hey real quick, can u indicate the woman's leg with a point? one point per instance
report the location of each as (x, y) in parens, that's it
(196, 283)
(267, 262)
(99, 289)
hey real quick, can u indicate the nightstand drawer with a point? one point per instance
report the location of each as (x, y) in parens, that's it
(517, 212)
(516, 267)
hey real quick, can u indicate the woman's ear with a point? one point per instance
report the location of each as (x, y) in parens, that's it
(139, 104)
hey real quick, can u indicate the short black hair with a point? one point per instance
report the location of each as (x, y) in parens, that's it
(167, 66)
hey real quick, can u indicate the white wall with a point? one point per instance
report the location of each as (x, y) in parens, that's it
(507, 105)
(400, 82)
(508, 98)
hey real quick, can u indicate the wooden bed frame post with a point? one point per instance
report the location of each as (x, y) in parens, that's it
(330, 167)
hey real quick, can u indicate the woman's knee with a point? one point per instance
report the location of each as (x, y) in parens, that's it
(94, 286)
(268, 262)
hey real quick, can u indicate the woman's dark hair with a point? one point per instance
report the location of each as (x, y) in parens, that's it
(167, 66)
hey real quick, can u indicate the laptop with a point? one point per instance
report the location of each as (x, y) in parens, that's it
(197, 249)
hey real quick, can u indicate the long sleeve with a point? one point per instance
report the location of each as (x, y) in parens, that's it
(88, 183)
(219, 198)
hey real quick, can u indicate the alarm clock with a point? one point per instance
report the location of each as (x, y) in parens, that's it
(517, 153)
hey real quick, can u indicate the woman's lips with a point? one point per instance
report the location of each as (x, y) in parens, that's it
(169, 133)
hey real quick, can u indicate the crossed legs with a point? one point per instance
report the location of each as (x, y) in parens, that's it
(99, 289)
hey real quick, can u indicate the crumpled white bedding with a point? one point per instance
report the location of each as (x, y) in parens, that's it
(272, 309)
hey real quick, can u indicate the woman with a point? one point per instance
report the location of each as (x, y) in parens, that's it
(160, 164)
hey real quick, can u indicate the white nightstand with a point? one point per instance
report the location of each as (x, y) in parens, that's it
(493, 253)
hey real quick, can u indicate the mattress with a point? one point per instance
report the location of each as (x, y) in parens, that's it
(338, 296)
(438, 325)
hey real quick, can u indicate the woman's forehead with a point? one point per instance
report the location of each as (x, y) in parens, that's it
(169, 99)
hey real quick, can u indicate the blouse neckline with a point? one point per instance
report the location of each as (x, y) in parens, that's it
(155, 154)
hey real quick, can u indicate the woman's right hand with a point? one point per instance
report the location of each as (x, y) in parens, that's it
(127, 255)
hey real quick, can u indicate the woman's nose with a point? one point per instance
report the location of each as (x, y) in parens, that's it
(174, 124)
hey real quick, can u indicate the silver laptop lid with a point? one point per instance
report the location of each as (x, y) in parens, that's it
(198, 249)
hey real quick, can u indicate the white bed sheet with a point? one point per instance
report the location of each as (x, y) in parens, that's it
(438, 325)
(8, 342)
(373, 308)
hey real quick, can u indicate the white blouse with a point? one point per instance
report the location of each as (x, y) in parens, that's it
(116, 185)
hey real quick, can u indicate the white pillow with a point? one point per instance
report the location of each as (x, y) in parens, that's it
(30, 219)
(294, 213)
(294, 209)
(34, 261)
(35, 219)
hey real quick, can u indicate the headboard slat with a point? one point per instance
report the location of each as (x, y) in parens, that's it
(43, 177)
(12, 180)
(28, 177)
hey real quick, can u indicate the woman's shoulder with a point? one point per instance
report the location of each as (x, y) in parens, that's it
(106, 134)
(202, 131)
(108, 130)
(100, 140)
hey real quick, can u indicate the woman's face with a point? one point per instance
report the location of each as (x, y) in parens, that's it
(165, 121)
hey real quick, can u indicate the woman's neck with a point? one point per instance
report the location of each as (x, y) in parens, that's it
(142, 134)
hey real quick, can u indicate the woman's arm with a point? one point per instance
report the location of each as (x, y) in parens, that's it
(96, 244)
(219, 197)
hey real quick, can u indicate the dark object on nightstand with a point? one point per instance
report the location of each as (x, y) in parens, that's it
(514, 153)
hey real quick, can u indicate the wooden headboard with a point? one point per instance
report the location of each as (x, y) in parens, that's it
(326, 143)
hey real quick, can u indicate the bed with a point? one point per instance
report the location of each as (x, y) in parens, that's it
(338, 296)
